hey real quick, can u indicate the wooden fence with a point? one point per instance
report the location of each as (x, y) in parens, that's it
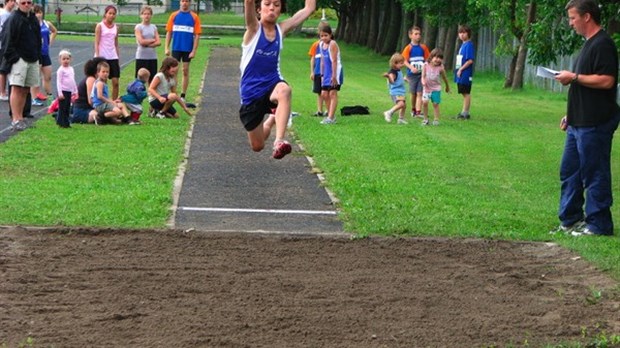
(486, 60)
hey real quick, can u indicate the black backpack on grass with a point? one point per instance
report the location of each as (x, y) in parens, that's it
(354, 110)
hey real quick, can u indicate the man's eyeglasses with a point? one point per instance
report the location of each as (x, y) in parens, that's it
(26, 2)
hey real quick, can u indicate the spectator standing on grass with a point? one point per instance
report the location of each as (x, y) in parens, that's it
(464, 70)
(432, 74)
(106, 46)
(23, 51)
(315, 75)
(9, 5)
(147, 39)
(415, 53)
(396, 87)
(331, 72)
(83, 111)
(262, 88)
(183, 31)
(592, 116)
(163, 91)
(48, 34)
(66, 87)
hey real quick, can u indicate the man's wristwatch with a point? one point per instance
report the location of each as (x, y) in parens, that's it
(575, 78)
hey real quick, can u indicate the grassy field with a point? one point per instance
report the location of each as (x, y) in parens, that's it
(495, 176)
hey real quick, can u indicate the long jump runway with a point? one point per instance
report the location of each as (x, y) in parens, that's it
(228, 187)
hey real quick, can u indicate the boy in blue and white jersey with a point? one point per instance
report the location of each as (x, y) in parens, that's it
(183, 30)
(262, 87)
(464, 70)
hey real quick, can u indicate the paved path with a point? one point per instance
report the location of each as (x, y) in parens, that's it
(81, 52)
(228, 187)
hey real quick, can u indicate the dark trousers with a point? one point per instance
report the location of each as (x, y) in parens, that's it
(585, 175)
(64, 110)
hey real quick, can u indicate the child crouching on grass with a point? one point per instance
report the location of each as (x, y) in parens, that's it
(163, 91)
(111, 111)
(136, 92)
(432, 74)
(396, 87)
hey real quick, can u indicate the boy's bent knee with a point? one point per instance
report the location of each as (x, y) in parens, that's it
(256, 147)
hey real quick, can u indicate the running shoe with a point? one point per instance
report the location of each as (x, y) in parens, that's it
(18, 126)
(387, 116)
(579, 225)
(281, 148)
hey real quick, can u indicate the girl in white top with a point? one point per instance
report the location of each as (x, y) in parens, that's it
(331, 71)
(162, 91)
(106, 46)
(147, 39)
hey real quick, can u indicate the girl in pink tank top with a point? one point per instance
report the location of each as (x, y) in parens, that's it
(106, 45)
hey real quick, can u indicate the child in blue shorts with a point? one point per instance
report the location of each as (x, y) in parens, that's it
(396, 87)
(432, 74)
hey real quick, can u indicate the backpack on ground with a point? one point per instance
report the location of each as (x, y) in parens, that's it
(354, 110)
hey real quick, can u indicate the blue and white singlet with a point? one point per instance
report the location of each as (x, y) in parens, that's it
(260, 66)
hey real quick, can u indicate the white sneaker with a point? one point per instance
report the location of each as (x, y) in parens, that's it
(160, 115)
(402, 121)
(4, 97)
(387, 116)
(435, 123)
(328, 120)
(18, 126)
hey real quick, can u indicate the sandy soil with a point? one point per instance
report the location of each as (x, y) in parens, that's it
(108, 288)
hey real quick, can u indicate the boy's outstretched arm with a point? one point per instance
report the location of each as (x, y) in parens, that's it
(251, 21)
(299, 17)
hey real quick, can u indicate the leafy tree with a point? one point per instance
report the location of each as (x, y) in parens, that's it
(154, 2)
(120, 3)
(221, 5)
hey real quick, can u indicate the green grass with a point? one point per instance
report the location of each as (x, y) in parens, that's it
(495, 176)
(94, 176)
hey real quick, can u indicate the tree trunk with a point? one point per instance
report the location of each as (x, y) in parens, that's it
(441, 37)
(342, 22)
(448, 53)
(511, 72)
(517, 82)
(373, 28)
(408, 18)
(361, 21)
(383, 29)
(391, 38)
(429, 33)
(349, 30)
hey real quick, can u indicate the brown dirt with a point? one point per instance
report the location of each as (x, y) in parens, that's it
(106, 288)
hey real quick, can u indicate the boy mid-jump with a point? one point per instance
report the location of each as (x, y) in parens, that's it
(262, 88)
